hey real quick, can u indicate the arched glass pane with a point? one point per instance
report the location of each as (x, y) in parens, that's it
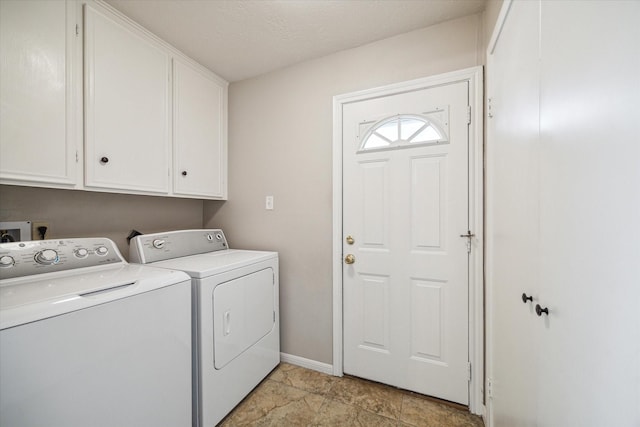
(389, 130)
(410, 126)
(401, 131)
(375, 141)
(428, 134)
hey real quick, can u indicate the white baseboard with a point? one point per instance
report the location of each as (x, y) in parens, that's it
(325, 368)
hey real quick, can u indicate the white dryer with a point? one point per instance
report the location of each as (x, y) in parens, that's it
(236, 319)
(87, 339)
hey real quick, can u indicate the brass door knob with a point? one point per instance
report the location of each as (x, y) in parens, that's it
(350, 240)
(349, 259)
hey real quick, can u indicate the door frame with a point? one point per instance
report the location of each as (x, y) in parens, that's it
(474, 76)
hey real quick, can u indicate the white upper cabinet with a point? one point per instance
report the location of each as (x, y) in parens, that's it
(127, 87)
(155, 122)
(39, 90)
(199, 130)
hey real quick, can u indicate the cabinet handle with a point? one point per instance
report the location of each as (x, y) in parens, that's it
(104, 160)
(184, 173)
(540, 310)
(526, 298)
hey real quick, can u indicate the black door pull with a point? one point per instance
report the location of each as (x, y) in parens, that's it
(526, 298)
(540, 310)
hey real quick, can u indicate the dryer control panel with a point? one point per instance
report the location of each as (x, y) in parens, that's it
(148, 248)
(19, 259)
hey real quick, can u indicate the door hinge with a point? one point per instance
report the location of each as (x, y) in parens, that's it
(468, 114)
(77, 157)
(490, 107)
(274, 317)
(468, 371)
(77, 30)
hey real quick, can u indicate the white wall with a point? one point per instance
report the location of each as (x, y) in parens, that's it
(280, 139)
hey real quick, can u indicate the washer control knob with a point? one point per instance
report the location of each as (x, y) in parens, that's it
(47, 257)
(218, 236)
(6, 261)
(102, 251)
(158, 243)
(210, 237)
(81, 253)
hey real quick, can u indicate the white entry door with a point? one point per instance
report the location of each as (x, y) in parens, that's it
(406, 268)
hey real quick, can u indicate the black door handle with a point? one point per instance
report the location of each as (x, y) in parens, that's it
(526, 298)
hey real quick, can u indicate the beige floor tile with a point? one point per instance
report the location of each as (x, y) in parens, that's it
(294, 396)
(465, 419)
(276, 404)
(419, 412)
(373, 397)
(305, 379)
(337, 414)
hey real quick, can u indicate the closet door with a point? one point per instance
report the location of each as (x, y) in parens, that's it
(127, 87)
(563, 206)
(513, 217)
(589, 354)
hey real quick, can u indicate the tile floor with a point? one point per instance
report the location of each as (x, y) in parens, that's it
(295, 396)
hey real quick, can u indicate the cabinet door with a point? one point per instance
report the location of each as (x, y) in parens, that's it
(200, 148)
(38, 75)
(126, 106)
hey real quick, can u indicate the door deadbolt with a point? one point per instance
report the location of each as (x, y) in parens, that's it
(349, 240)
(349, 259)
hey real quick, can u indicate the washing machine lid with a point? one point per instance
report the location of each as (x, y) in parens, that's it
(34, 298)
(208, 264)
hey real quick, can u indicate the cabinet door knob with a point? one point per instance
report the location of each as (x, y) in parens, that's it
(526, 298)
(540, 310)
(184, 173)
(104, 160)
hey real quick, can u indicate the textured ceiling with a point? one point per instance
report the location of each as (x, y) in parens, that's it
(239, 39)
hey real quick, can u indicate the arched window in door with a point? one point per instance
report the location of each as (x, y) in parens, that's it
(402, 130)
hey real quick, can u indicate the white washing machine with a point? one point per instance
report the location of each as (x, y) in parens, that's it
(87, 339)
(236, 323)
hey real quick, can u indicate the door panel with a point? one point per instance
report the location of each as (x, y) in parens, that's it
(375, 310)
(427, 180)
(426, 320)
(406, 294)
(375, 208)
